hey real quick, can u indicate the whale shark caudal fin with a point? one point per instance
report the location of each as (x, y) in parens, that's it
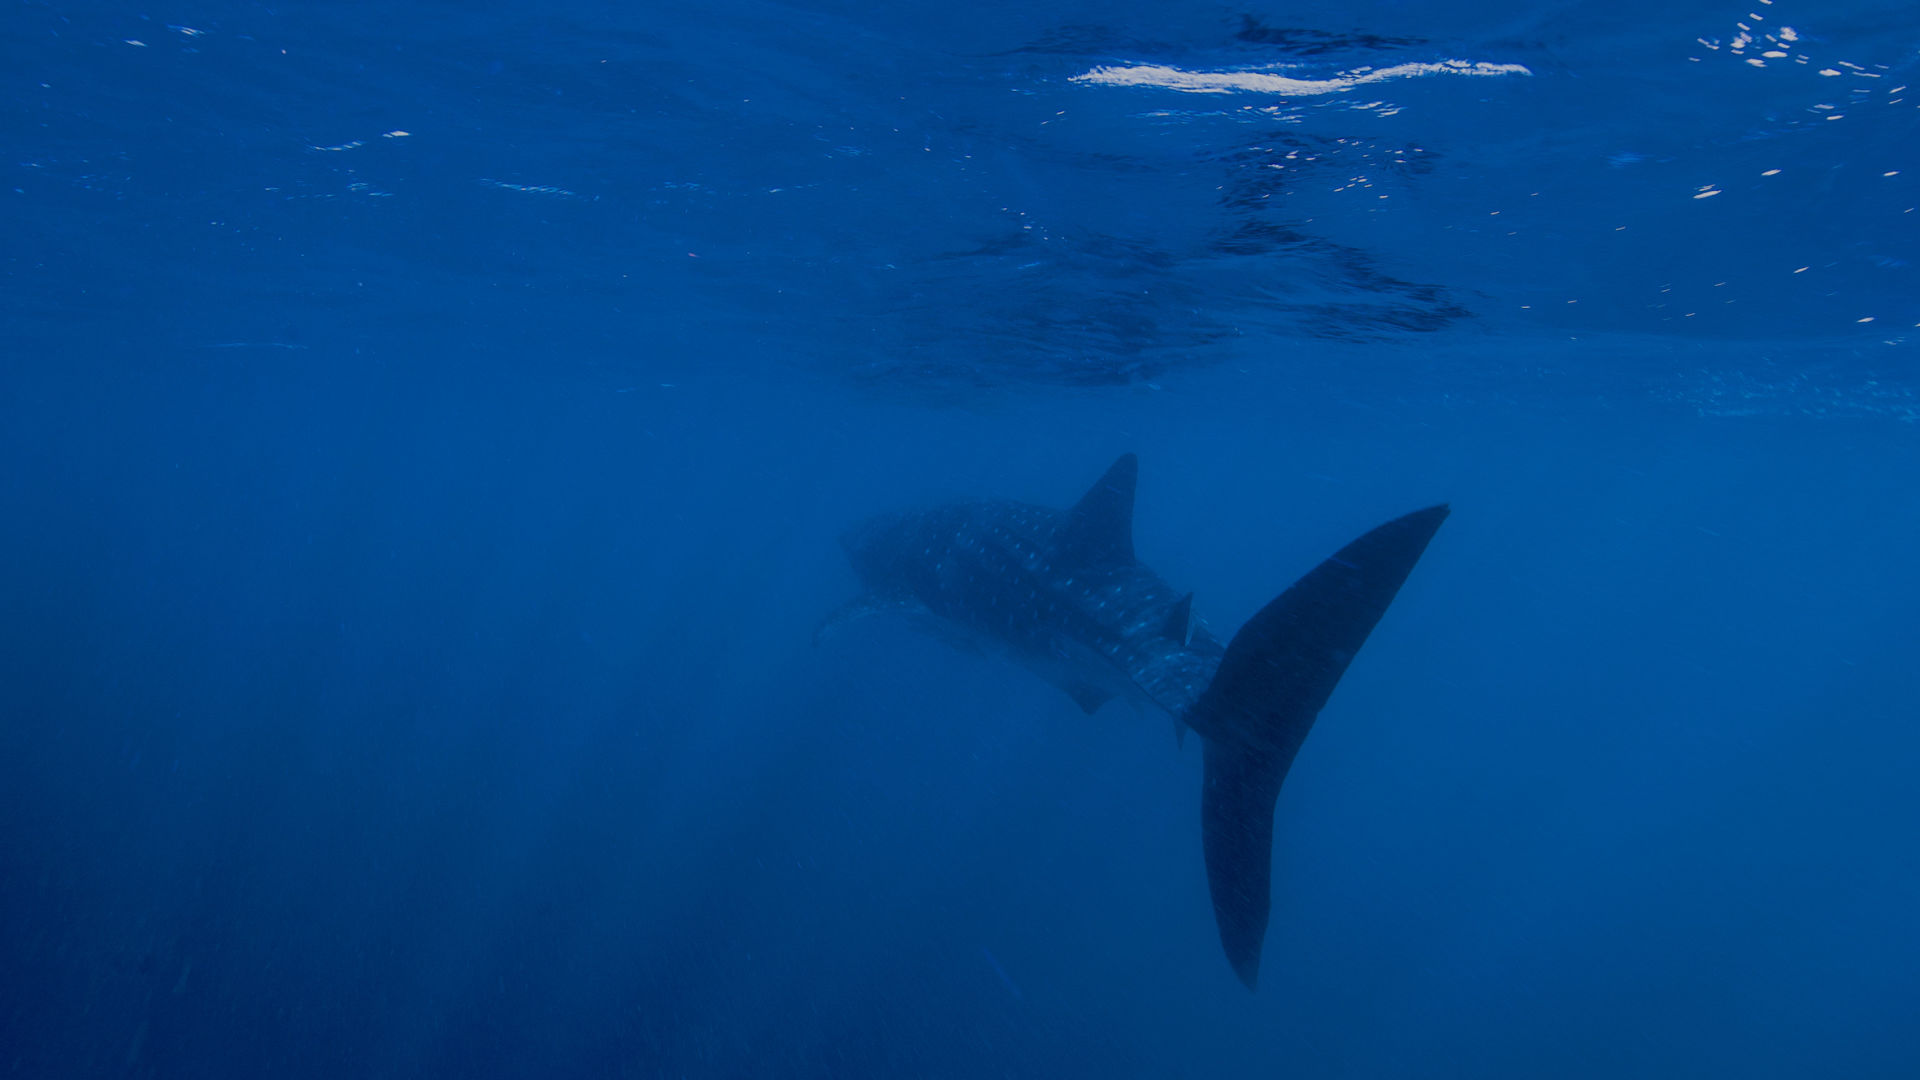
(1278, 672)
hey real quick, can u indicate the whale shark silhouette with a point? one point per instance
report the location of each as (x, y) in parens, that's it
(1062, 593)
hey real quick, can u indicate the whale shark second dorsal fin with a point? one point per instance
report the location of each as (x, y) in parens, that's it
(1100, 526)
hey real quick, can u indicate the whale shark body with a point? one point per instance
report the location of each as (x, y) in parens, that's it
(1061, 593)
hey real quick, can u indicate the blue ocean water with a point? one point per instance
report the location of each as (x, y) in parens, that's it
(425, 430)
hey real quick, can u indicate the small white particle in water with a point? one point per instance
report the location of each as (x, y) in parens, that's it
(1707, 194)
(1803, 269)
(1892, 172)
(1868, 319)
(1771, 172)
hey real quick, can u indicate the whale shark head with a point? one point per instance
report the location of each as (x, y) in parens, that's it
(873, 546)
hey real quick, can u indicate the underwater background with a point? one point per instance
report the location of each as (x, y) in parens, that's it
(425, 430)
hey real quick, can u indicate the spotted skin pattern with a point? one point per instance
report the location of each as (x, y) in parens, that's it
(999, 570)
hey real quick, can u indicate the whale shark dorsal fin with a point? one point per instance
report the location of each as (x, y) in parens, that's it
(1179, 625)
(1100, 526)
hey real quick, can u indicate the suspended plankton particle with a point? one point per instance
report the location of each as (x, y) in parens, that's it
(1707, 192)
(1771, 172)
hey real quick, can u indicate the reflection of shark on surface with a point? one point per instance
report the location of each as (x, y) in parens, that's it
(1062, 593)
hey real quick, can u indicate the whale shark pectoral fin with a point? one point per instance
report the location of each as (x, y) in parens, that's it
(1236, 832)
(1089, 698)
(862, 606)
(1179, 625)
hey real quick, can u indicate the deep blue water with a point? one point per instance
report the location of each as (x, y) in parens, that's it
(424, 431)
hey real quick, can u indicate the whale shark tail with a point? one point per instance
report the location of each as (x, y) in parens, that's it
(1278, 672)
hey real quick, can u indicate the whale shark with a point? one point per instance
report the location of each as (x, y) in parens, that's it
(1061, 593)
